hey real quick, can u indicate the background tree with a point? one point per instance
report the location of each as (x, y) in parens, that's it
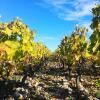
(17, 41)
(95, 37)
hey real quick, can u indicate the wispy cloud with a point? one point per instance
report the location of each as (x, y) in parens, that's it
(71, 9)
(47, 38)
(0, 16)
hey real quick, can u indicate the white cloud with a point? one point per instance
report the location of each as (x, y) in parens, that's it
(71, 9)
(81, 9)
(48, 38)
(0, 16)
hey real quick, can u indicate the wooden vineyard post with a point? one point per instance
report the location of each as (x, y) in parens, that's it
(78, 76)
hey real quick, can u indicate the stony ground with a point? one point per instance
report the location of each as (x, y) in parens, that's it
(51, 87)
(51, 84)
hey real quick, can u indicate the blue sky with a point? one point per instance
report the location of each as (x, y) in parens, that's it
(52, 19)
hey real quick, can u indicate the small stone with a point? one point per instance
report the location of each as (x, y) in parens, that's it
(70, 90)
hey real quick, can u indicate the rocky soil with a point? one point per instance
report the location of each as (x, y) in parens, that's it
(50, 84)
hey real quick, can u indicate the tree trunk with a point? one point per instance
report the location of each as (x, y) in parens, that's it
(24, 78)
(77, 81)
